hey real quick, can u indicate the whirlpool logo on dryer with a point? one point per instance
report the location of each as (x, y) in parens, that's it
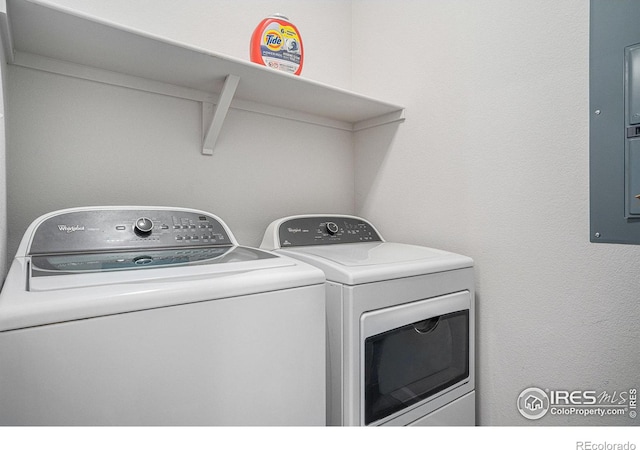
(71, 228)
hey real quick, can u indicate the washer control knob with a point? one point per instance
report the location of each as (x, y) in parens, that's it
(332, 228)
(143, 226)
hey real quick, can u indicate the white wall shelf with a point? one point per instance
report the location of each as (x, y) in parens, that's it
(50, 38)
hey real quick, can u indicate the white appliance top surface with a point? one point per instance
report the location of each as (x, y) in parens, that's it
(26, 301)
(60, 272)
(376, 261)
(115, 266)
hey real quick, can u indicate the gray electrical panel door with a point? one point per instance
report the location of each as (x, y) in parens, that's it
(614, 84)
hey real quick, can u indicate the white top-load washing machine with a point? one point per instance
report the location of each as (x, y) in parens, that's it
(400, 322)
(156, 316)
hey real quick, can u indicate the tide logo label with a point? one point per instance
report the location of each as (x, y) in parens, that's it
(273, 40)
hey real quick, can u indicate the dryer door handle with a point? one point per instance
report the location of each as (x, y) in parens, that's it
(426, 326)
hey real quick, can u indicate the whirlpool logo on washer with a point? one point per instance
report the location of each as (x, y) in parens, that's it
(71, 228)
(296, 230)
(534, 403)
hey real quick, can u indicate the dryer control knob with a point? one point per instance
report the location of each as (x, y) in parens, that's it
(332, 228)
(143, 226)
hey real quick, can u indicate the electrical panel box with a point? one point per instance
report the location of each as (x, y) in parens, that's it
(614, 135)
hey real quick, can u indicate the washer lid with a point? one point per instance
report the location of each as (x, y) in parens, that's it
(62, 296)
(377, 261)
(55, 272)
(75, 263)
(83, 263)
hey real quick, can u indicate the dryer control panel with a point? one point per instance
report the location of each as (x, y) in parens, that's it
(104, 229)
(324, 230)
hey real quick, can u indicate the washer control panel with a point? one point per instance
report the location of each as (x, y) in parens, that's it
(93, 230)
(325, 230)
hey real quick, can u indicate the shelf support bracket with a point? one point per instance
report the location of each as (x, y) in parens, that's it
(5, 33)
(213, 118)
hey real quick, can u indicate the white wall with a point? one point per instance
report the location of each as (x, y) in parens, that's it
(3, 171)
(492, 162)
(73, 142)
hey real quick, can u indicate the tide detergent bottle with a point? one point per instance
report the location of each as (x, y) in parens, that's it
(276, 43)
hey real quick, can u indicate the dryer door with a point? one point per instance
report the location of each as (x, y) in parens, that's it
(413, 353)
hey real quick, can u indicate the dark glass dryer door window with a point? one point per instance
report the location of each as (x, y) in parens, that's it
(413, 362)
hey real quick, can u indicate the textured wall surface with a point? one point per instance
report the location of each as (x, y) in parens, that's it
(492, 162)
(3, 173)
(74, 143)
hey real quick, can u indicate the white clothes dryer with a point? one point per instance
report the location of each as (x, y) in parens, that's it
(156, 316)
(400, 322)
